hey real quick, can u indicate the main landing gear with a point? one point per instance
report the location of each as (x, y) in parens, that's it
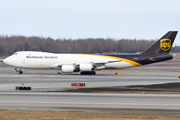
(19, 70)
(88, 72)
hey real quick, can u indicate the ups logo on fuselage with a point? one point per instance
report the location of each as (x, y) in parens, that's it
(165, 44)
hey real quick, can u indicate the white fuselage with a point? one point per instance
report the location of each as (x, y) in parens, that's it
(44, 60)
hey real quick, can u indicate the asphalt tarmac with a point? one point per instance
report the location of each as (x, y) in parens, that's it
(45, 83)
(49, 80)
(16, 100)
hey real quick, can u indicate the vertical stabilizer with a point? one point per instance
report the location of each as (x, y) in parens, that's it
(163, 45)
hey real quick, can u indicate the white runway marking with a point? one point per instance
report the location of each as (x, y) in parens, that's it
(87, 103)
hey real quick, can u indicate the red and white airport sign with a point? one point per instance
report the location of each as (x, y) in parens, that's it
(78, 84)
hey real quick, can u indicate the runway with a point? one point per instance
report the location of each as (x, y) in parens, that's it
(89, 100)
(48, 80)
(45, 83)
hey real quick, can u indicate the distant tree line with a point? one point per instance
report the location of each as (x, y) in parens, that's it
(11, 44)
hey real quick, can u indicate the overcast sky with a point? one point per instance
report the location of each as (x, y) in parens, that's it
(132, 19)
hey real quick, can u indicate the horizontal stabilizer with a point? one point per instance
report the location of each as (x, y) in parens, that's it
(160, 58)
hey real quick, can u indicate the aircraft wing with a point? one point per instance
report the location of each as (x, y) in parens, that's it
(99, 64)
(96, 63)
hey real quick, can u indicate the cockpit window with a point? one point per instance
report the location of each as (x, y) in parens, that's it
(15, 53)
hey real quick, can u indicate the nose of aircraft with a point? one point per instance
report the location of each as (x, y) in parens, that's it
(7, 61)
(1, 60)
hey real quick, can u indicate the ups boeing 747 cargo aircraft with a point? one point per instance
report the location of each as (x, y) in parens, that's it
(87, 64)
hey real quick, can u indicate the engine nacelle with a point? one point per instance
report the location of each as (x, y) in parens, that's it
(86, 67)
(68, 68)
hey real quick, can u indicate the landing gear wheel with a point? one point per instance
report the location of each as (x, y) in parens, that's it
(88, 73)
(82, 73)
(20, 72)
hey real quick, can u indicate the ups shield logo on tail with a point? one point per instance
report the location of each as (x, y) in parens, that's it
(165, 44)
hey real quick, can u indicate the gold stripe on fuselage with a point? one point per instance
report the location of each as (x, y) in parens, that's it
(117, 58)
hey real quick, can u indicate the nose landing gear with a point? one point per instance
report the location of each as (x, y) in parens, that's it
(19, 70)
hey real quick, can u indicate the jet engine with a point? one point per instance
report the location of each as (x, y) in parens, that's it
(86, 67)
(69, 68)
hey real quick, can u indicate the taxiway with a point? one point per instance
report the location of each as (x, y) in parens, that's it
(46, 84)
(48, 80)
(89, 100)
